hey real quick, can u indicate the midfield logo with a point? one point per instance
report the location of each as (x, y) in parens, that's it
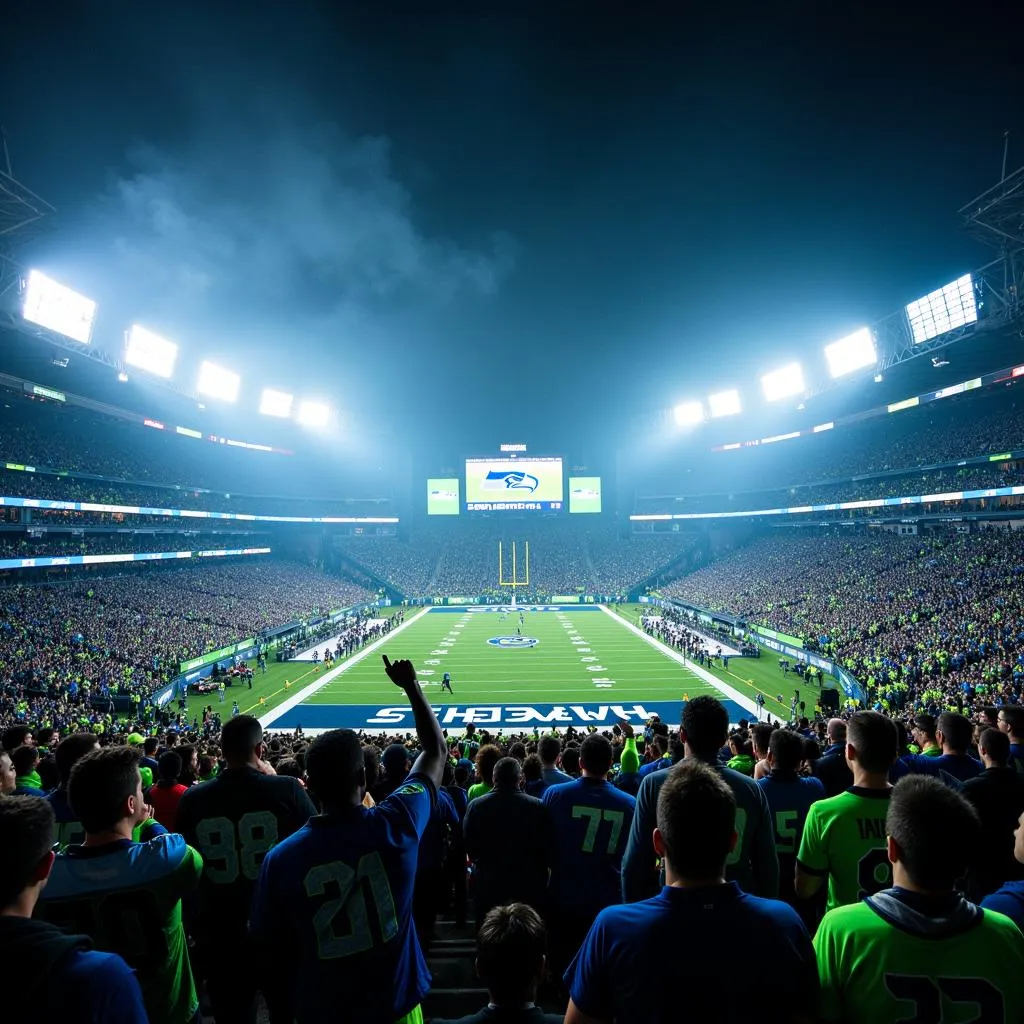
(510, 480)
(513, 641)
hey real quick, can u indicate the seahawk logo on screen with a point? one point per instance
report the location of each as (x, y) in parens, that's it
(513, 641)
(510, 480)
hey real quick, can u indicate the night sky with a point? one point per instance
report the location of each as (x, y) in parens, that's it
(507, 218)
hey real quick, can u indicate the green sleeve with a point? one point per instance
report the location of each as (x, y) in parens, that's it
(630, 759)
(190, 870)
(813, 854)
(831, 1007)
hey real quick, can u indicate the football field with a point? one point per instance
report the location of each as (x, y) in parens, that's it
(559, 666)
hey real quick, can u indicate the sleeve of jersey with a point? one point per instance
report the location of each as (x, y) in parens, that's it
(813, 857)
(186, 862)
(764, 859)
(825, 952)
(265, 924)
(407, 809)
(639, 877)
(107, 990)
(588, 975)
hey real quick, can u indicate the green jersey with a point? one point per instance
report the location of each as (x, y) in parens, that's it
(844, 838)
(885, 959)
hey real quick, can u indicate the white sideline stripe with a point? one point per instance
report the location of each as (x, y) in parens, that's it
(307, 691)
(734, 695)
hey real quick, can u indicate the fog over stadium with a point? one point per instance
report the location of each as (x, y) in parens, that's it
(498, 501)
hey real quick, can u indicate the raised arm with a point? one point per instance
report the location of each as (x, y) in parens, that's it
(433, 751)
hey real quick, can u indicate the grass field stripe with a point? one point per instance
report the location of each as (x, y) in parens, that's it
(307, 691)
(734, 695)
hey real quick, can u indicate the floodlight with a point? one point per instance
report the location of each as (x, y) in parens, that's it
(854, 352)
(688, 414)
(150, 352)
(784, 382)
(217, 382)
(57, 308)
(314, 414)
(276, 403)
(943, 310)
(724, 403)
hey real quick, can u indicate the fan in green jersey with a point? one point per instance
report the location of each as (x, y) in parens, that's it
(844, 836)
(920, 951)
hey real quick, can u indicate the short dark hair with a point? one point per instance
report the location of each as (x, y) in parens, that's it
(549, 748)
(14, 737)
(239, 737)
(335, 765)
(71, 750)
(956, 730)
(571, 760)
(169, 766)
(532, 768)
(706, 725)
(24, 759)
(787, 750)
(1014, 717)
(936, 829)
(100, 783)
(926, 724)
(510, 950)
(761, 735)
(697, 819)
(996, 744)
(150, 745)
(875, 739)
(596, 754)
(507, 773)
(26, 834)
(486, 758)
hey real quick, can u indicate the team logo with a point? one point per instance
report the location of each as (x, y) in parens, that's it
(510, 480)
(513, 641)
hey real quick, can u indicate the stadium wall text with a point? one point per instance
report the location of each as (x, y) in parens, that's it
(145, 556)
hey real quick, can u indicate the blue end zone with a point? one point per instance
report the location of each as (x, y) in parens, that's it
(526, 717)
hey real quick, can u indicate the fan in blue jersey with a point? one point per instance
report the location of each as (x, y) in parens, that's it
(332, 912)
(953, 733)
(591, 820)
(69, 752)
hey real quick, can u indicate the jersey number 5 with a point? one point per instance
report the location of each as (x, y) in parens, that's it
(927, 994)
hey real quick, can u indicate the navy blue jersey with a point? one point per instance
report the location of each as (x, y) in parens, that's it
(591, 820)
(960, 766)
(789, 799)
(69, 828)
(1008, 900)
(333, 910)
(666, 959)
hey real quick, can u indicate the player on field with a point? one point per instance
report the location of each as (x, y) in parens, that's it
(844, 836)
(751, 862)
(590, 821)
(919, 951)
(126, 896)
(446, 683)
(332, 912)
(233, 820)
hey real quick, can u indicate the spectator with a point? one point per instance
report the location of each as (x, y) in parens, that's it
(509, 842)
(94, 882)
(831, 768)
(395, 761)
(1009, 899)
(486, 758)
(640, 961)
(510, 962)
(844, 836)
(920, 947)
(8, 779)
(548, 750)
(752, 862)
(923, 733)
(69, 752)
(953, 733)
(26, 774)
(371, 961)
(997, 796)
(59, 977)
(1011, 721)
(234, 820)
(166, 794)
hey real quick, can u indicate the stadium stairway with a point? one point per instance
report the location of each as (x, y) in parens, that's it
(456, 990)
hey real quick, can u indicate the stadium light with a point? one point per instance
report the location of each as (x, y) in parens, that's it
(725, 403)
(150, 352)
(217, 382)
(688, 414)
(314, 414)
(276, 403)
(784, 382)
(854, 352)
(943, 310)
(57, 308)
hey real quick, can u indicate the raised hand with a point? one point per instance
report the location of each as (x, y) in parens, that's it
(402, 673)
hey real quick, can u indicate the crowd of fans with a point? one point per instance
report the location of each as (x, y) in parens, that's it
(20, 545)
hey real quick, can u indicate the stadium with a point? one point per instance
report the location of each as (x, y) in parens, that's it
(712, 614)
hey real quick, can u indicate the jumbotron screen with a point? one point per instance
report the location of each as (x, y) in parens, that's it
(443, 497)
(584, 494)
(514, 485)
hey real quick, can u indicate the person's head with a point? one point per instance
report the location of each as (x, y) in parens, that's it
(532, 768)
(241, 741)
(1011, 721)
(548, 749)
(371, 763)
(169, 766)
(396, 762)
(696, 822)
(27, 834)
(335, 768)
(760, 737)
(933, 834)
(836, 731)
(71, 750)
(571, 761)
(739, 743)
(105, 790)
(596, 755)
(16, 736)
(954, 732)
(150, 745)
(507, 774)
(705, 727)
(25, 759)
(518, 751)
(923, 731)
(994, 747)
(189, 758)
(871, 743)
(785, 750)
(510, 948)
(47, 736)
(8, 779)
(486, 758)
